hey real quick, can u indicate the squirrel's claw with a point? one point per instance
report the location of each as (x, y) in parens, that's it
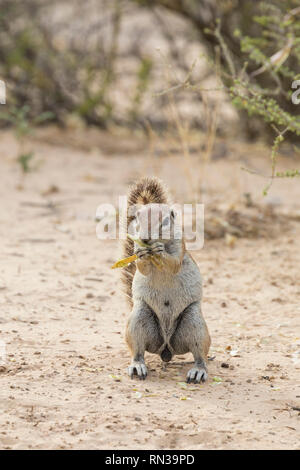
(157, 247)
(143, 252)
(196, 375)
(138, 369)
(153, 249)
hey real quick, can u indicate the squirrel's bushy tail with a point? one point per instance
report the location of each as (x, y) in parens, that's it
(144, 191)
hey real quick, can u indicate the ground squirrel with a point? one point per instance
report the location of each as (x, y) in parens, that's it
(166, 316)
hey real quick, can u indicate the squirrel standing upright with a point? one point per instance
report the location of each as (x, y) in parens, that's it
(166, 316)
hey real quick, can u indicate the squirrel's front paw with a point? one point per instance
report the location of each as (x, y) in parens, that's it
(142, 252)
(157, 247)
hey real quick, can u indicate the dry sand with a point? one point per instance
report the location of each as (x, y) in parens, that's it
(62, 317)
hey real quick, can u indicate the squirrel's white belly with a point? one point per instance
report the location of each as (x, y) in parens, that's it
(169, 294)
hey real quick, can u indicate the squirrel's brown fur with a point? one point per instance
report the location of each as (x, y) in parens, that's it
(145, 191)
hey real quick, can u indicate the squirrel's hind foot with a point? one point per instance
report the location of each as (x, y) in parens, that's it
(196, 375)
(139, 369)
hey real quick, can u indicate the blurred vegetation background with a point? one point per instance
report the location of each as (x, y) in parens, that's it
(126, 62)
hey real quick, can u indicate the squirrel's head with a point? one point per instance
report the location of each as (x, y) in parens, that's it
(154, 222)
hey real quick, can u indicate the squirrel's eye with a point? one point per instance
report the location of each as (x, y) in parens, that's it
(166, 221)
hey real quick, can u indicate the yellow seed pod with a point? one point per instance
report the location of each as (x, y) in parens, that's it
(124, 262)
(155, 259)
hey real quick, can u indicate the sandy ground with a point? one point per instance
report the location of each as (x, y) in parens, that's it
(62, 317)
